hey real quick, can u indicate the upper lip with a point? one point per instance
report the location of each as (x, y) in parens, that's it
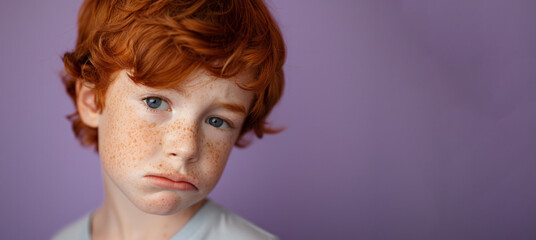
(175, 177)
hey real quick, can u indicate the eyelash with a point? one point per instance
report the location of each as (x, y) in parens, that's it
(155, 110)
(229, 123)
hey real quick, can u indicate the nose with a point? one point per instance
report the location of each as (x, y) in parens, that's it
(182, 141)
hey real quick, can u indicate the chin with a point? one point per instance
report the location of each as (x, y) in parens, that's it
(163, 203)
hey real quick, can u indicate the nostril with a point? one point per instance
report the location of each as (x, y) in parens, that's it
(179, 156)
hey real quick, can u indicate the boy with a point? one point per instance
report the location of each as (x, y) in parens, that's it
(163, 90)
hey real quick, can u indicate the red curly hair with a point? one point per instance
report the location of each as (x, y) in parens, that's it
(161, 42)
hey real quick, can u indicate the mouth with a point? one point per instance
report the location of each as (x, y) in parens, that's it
(175, 182)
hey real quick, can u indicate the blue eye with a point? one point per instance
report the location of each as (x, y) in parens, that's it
(217, 122)
(156, 103)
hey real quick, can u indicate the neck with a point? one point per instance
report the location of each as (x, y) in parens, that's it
(119, 218)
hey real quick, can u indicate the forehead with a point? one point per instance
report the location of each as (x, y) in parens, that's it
(200, 85)
(202, 80)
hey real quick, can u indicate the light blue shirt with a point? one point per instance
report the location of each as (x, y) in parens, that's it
(212, 221)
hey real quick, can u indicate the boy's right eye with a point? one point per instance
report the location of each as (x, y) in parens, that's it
(156, 103)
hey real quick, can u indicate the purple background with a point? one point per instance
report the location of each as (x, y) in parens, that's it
(406, 120)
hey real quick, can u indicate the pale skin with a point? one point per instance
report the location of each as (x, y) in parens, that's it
(146, 135)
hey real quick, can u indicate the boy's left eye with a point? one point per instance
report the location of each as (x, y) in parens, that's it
(217, 122)
(156, 103)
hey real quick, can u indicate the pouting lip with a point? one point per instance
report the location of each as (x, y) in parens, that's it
(174, 178)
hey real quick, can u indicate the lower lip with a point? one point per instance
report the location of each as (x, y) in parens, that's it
(169, 184)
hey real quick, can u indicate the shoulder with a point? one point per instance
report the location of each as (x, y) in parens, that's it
(236, 227)
(213, 221)
(78, 229)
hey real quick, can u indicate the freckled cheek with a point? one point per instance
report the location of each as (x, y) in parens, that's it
(127, 139)
(215, 158)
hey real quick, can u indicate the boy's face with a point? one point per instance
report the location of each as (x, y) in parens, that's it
(165, 150)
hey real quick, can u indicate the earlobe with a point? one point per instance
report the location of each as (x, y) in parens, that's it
(87, 105)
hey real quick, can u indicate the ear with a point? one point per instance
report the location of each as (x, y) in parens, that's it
(86, 104)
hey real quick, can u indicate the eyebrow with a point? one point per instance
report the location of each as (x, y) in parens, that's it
(233, 107)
